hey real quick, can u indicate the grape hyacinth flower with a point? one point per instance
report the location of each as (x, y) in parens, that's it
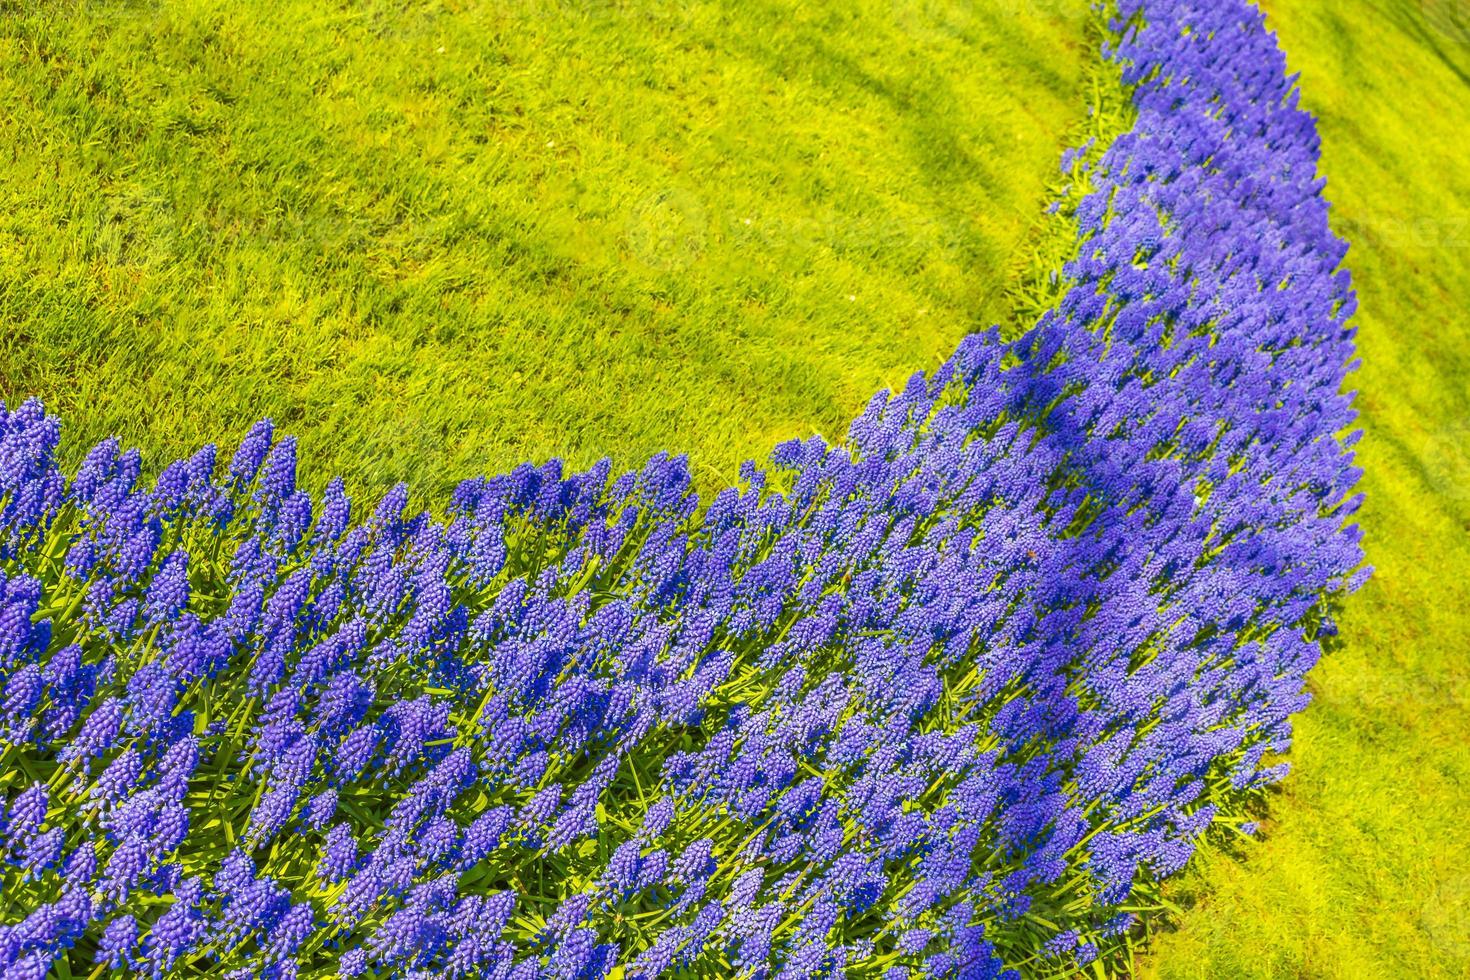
(1030, 632)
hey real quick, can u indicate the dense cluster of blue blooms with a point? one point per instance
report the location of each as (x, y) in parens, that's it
(931, 703)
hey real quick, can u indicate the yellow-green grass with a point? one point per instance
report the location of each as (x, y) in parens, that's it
(434, 239)
(1364, 870)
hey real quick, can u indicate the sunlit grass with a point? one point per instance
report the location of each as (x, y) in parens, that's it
(435, 239)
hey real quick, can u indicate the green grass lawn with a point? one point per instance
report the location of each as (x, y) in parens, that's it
(435, 239)
(1364, 873)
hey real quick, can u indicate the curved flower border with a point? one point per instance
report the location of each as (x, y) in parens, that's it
(946, 700)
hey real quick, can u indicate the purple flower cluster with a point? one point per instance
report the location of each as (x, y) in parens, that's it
(932, 703)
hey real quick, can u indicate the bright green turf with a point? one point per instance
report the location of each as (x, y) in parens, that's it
(434, 239)
(1365, 870)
